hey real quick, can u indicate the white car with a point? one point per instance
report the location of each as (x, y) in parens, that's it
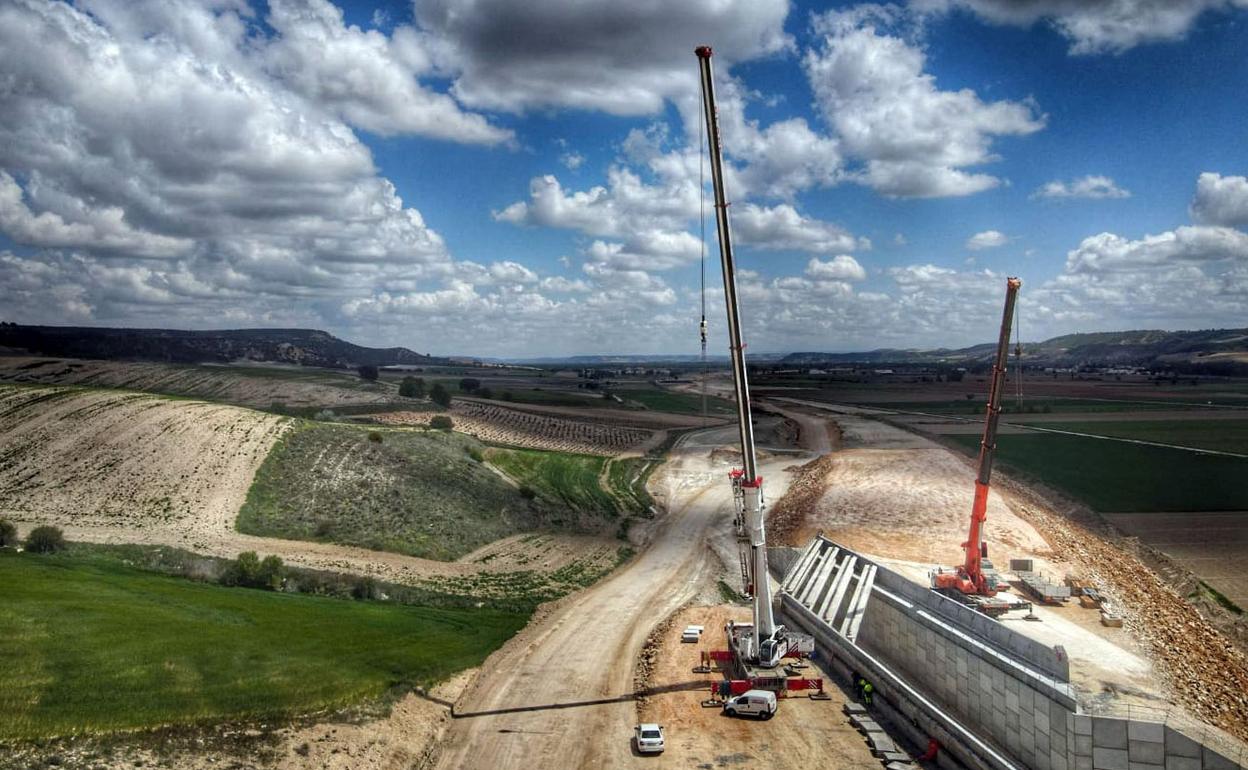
(649, 738)
(759, 703)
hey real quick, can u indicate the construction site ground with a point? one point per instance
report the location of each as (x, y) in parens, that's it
(804, 732)
(890, 493)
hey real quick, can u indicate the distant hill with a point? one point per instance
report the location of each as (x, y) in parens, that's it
(1213, 350)
(307, 347)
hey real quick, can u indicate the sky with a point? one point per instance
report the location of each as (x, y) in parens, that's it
(514, 179)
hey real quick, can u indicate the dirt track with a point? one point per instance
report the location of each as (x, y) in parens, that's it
(560, 694)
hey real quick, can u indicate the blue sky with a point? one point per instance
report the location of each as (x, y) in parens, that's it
(496, 178)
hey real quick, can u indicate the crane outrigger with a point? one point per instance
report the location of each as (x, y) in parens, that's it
(764, 644)
(975, 579)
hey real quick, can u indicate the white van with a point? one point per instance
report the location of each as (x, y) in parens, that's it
(759, 703)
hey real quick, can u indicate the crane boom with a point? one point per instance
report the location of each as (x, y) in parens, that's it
(765, 647)
(970, 578)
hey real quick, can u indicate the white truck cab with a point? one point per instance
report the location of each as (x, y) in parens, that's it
(758, 703)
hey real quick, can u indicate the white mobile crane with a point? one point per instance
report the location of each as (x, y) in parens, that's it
(764, 644)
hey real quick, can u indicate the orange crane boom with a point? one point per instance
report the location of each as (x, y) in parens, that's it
(970, 577)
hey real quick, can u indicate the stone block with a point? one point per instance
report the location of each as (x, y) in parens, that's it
(1146, 731)
(1042, 721)
(1011, 721)
(1011, 701)
(1083, 745)
(1044, 745)
(1182, 763)
(1144, 766)
(1109, 733)
(1058, 761)
(1146, 752)
(1212, 760)
(1179, 745)
(1083, 763)
(1109, 759)
(1082, 724)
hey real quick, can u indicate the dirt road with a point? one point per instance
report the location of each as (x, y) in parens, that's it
(560, 694)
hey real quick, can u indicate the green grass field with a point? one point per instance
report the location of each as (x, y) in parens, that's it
(1112, 476)
(676, 403)
(560, 478)
(414, 492)
(90, 647)
(1218, 435)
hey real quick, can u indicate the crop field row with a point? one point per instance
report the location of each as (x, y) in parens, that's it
(515, 427)
(256, 386)
(88, 647)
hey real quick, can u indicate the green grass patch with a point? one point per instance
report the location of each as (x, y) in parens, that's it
(627, 479)
(414, 492)
(95, 647)
(1218, 597)
(676, 402)
(1218, 435)
(562, 478)
(1111, 476)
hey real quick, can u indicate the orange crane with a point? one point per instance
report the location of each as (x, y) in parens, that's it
(971, 579)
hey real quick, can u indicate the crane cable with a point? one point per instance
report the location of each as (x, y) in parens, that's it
(702, 225)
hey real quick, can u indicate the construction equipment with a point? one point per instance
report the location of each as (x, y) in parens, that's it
(975, 579)
(763, 643)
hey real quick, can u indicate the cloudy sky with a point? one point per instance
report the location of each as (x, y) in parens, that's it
(510, 178)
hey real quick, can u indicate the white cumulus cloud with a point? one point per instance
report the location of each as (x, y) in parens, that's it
(988, 239)
(1091, 186)
(1221, 200)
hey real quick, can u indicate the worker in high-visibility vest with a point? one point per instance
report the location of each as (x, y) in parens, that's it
(867, 689)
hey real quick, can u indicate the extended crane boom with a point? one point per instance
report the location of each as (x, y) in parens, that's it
(765, 648)
(970, 577)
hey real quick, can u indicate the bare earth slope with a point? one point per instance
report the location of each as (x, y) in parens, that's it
(259, 386)
(116, 459)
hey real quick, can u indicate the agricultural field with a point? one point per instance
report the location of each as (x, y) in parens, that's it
(71, 661)
(1224, 435)
(420, 493)
(1114, 476)
(524, 428)
(605, 488)
(283, 387)
(677, 402)
(125, 461)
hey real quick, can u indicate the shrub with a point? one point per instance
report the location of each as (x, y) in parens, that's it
(468, 384)
(412, 387)
(374, 437)
(369, 372)
(527, 492)
(8, 533)
(243, 571)
(440, 395)
(271, 573)
(474, 453)
(441, 422)
(45, 540)
(485, 393)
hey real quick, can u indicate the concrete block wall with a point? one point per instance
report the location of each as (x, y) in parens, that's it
(1113, 743)
(1052, 661)
(970, 678)
(1023, 713)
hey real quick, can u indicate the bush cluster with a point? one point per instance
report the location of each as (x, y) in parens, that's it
(45, 540)
(250, 571)
(8, 534)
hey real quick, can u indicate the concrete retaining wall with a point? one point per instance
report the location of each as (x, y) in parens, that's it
(994, 697)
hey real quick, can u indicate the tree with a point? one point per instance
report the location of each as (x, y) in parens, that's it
(412, 387)
(440, 395)
(468, 384)
(485, 393)
(441, 422)
(8, 534)
(45, 540)
(271, 573)
(369, 372)
(244, 571)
